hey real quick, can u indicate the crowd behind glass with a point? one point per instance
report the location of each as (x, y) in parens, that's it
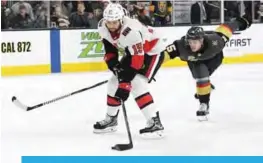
(86, 14)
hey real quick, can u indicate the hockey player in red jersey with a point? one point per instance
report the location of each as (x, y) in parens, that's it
(142, 59)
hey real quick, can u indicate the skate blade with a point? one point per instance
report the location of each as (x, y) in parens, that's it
(106, 130)
(202, 115)
(202, 118)
(153, 135)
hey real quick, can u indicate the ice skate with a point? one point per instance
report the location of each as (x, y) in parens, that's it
(203, 112)
(108, 125)
(154, 128)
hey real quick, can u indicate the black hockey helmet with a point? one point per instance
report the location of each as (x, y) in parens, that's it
(195, 33)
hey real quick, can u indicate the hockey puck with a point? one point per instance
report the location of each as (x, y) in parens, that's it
(13, 98)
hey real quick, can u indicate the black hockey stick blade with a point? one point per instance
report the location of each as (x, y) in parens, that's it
(19, 104)
(122, 147)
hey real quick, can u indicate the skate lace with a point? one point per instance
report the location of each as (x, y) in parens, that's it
(106, 120)
(203, 107)
(149, 123)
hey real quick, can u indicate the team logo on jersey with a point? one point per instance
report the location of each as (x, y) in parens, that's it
(119, 47)
(192, 58)
(215, 43)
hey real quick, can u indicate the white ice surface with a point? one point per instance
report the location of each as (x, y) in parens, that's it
(65, 127)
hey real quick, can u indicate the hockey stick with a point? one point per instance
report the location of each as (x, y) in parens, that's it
(122, 147)
(28, 108)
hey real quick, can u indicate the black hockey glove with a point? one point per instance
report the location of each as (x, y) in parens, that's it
(112, 61)
(124, 86)
(244, 22)
(123, 90)
(123, 72)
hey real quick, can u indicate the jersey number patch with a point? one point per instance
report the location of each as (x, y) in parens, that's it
(171, 48)
(138, 49)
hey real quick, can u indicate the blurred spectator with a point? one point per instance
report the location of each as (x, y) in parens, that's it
(102, 4)
(131, 10)
(62, 7)
(87, 5)
(79, 18)
(256, 6)
(98, 13)
(136, 10)
(105, 3)
(22, 20)
(15, 9)
(162, 12)
(213, 11)
(61, 13)
(248, 7)
(232, 9)
(200, 12)
(142, 14)
(3, 15)
(260, 12)
(41, 18)
(58, 19)
(39, 7)
(98, 8)
(95, 18)
(68, 6)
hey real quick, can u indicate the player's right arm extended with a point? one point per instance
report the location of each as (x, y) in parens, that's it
(227, 29)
